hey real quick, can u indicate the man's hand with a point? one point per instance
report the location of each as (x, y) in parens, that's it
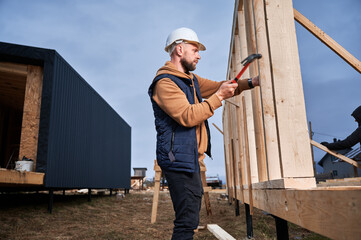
(255, 81)
(226, 90)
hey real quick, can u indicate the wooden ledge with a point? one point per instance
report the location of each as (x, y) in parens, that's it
(286, 183)
(22, 178)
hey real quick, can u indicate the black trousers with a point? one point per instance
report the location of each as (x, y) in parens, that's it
(186, 192)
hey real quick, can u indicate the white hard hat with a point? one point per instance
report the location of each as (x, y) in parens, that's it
(185, 34)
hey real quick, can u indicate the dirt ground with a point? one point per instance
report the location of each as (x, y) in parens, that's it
(25, 216)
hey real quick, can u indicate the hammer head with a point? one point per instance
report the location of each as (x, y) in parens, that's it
(251, 58)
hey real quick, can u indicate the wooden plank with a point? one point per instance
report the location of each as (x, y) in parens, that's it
(248, 167)
(336, 154)
(241, 156)
(272, 170)
(332, 212)
(31, 114)
(157, 177)
(295, 152)
(296, 183)
(225, 144)
(219, 233)
(253, 101)
(328, 41)
(333, 184)
(14, 68)
(21, 178)
(207, 189)
(207, 201)
(217, 128)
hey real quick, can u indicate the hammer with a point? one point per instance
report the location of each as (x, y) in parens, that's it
(246, 62)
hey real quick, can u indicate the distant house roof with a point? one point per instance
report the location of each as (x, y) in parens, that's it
(353, 153)
(342, 151)
(135, 168)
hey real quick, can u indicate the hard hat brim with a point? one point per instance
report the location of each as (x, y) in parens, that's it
(201, 47)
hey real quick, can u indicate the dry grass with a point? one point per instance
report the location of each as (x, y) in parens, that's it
(25, 216)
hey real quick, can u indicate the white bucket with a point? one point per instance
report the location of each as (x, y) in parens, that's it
(24, 166)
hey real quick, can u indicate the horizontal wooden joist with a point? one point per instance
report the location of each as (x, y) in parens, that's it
(332, 212)
(327, 40)
(14, 68)
(12, 177)
(296, 183)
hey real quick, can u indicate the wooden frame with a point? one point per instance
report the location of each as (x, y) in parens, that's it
(24, 83)
(268, 157)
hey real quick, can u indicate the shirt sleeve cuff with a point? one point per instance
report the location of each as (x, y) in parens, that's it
(214, 102)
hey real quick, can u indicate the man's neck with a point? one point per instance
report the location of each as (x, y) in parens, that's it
(178, 65)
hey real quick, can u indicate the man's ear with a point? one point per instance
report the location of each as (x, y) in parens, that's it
(179, 50)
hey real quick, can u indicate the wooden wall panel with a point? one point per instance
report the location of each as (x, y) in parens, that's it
(294, 142)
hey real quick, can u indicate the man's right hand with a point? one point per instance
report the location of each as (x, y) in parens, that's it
(226, 90)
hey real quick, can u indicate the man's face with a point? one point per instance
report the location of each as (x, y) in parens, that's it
(190, 57)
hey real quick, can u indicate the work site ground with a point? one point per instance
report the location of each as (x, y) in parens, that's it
(25, 216)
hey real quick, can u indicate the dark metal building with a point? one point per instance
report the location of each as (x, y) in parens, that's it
(81, 141)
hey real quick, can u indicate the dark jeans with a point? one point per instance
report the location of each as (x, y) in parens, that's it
(186, 192)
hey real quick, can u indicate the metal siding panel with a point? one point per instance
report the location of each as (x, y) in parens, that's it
(89, 143)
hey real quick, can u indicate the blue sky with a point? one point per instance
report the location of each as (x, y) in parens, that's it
(117, 47)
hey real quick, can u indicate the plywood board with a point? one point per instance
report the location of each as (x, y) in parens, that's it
(31, 114)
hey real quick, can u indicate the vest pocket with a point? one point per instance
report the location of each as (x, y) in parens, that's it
(170, 153)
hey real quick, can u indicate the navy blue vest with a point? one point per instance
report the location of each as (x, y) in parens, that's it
(177, 147)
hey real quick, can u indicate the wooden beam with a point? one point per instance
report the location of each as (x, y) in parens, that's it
(336, 154)
(295, 152)
(253, 101)
(247, 160)
(157, 178)
(296, 183)
(20, 178)
(13, 68)
(217, 128)
(272, 168)
(333, 212)
(219, 233)
(328, 41)
(31, 114)
(207, 202)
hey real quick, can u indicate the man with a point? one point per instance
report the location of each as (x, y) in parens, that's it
(183, 135)
(352, 139)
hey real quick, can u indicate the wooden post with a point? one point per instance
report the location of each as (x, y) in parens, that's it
(157, 178)
(207, 202)
(313, 159)
(158, 173)
(31, 114)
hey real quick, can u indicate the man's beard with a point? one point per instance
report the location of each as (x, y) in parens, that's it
(188, 66)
